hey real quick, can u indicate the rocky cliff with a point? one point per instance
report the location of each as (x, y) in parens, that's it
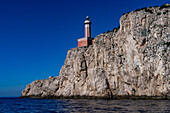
(132, 60)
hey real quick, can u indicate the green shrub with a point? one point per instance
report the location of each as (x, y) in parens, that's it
(143, 8)
(137, 10)
(167, 43)
(108, 31)
(126, 13)
(158, 13)
(164, 6)
(165, 12)
(148, 10)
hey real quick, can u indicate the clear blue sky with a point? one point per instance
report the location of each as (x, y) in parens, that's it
(35, 35)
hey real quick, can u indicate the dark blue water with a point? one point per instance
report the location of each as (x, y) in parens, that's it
(17, 105)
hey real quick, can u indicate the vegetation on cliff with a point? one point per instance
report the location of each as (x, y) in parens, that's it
(130, 61)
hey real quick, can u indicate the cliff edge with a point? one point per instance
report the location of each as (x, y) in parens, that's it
(132, 60)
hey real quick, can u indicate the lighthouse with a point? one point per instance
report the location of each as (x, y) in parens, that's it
(87, 40)
(87, 24)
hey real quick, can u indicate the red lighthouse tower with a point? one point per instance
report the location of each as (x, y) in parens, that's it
(87, 40)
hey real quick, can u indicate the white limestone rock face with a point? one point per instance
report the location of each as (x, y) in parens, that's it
(131, 60)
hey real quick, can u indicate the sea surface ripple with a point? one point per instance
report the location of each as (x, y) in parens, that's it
(26, 105)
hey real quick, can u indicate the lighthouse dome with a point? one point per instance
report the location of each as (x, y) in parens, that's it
(87, 21)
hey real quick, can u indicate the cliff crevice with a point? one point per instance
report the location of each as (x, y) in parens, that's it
(132, 60)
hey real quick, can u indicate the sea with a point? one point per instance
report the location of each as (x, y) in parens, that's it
(28, 105)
